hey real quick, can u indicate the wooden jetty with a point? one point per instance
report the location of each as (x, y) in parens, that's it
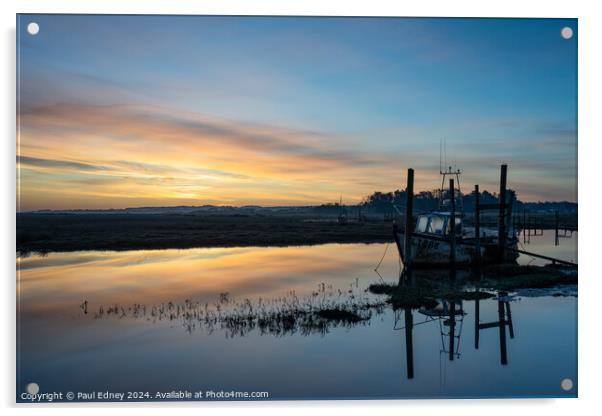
(439, 239)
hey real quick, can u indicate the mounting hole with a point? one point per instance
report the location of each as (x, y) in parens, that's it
(33, 28)
(566, 384)
(32, 388)
(566, 32)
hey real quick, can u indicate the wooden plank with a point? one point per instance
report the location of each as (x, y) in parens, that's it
(492, 206)
(489, 325)
(541, 256)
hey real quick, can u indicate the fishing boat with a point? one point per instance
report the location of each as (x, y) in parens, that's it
(436, 232)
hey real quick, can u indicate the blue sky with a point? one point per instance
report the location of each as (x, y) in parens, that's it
(290, 110)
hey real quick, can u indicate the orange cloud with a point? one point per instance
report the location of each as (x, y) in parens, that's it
(85, 156)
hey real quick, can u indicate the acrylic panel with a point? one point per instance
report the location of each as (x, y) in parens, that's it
(295, 208)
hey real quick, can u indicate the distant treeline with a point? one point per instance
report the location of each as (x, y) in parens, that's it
(429, 200)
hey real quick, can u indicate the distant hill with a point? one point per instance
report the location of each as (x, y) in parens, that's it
(376, 204)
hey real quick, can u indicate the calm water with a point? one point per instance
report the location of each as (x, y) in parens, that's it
(62, 348)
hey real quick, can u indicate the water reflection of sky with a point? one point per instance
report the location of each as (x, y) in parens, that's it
(544, 243)
(62, 349)
(60, 279)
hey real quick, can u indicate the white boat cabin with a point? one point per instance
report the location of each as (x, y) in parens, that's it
(437, 224)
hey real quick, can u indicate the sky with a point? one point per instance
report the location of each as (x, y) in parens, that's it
(128, 111)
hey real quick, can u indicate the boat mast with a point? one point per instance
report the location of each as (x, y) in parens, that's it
(445, 171)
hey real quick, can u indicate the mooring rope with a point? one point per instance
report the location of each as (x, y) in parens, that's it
(380, 277)
(524, 249)
(382, 258)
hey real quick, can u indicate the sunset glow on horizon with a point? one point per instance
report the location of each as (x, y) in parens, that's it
(129, 111)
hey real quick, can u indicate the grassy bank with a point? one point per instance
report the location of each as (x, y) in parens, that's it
(429, 287)
(72, 232)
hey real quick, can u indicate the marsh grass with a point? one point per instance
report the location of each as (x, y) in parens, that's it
(316, 313)
(327, 308)
(511, 277)
(427, 289)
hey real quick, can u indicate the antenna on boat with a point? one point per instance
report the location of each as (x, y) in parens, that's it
(448, 170)
(440, 151)
(445, 153)
(455, 160)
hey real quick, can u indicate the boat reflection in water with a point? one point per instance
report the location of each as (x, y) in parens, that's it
(449, 315)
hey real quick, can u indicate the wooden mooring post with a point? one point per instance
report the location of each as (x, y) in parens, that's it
(452, 226)
(556, 242)
(502, 215)
(509, 206)
(524, 227)
(409, 226)
(477, 224)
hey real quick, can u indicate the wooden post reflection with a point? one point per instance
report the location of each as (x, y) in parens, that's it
(452, 329)
(509, 318)
(504, 319)
(409, 327)
(502, 328)
(477, 315)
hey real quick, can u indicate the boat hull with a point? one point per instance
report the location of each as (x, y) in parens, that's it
(431, 251)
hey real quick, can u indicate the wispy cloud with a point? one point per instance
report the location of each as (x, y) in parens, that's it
(58, 164)
(127, 126)
(189, 158)
(274, 111)
(165, 157)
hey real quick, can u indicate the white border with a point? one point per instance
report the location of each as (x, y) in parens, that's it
(590, 34)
